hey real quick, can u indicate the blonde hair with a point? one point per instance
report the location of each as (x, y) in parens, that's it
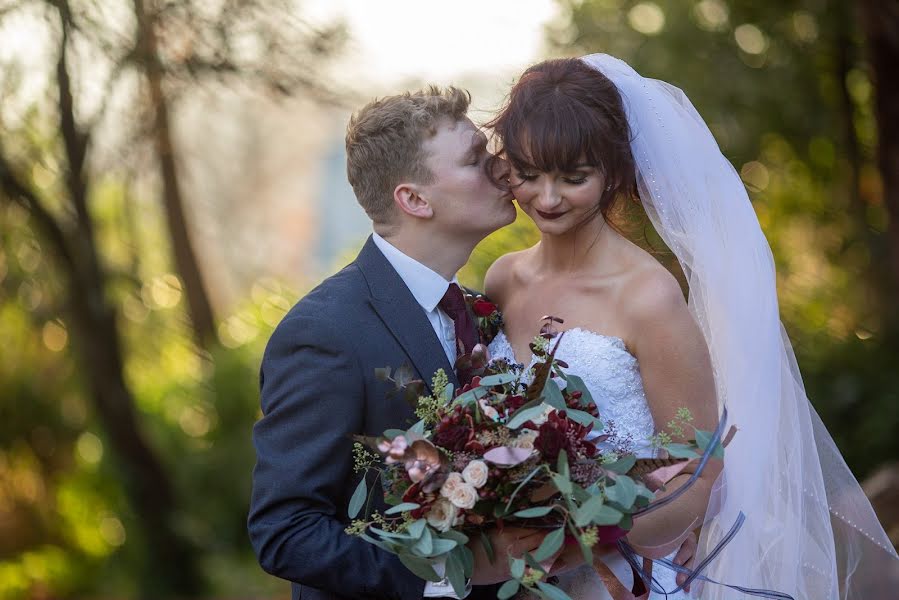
(384, 143)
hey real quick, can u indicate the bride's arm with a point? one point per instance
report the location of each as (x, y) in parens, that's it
(677, 373)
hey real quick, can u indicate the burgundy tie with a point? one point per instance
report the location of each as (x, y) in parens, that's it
(453, 304)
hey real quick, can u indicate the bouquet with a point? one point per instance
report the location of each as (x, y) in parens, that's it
(511, 446)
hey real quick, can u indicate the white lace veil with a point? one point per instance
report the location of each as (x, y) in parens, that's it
(809, 530)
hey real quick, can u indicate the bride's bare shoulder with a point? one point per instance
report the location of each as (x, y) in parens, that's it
(502, 273)
(651, 291)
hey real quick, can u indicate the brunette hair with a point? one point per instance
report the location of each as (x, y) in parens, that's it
(384, 143)
(562, 112)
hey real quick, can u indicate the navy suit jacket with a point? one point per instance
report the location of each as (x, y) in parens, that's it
(318, 387)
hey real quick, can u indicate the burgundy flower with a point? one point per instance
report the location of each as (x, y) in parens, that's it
(452, 437)
(483, 308)
(513, 403)
(561, 433)
(551, 441)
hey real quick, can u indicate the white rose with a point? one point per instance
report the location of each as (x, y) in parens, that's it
(442, 515)
(464, 496)
(475, 473)
(449, 486)
(525, 440)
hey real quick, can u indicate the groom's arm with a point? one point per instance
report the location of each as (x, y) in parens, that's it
(312, 401)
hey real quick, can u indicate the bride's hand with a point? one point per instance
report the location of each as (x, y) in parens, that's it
(686, 557)
(511, 541)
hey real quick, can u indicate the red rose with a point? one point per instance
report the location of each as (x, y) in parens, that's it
(483, 308)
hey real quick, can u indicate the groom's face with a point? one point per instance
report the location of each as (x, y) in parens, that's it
(464, 199)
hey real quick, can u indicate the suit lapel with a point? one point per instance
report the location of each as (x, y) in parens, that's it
(402, 315)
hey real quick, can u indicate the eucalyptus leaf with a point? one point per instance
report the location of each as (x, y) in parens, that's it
(384, 545)
(421, 567)
(562, 465)
(551, 544)
(472, 395)
(584, 418)
(467, 557)
(498, 379)
(425, 544)
(391, 534)
(607, 515)
(516, 567)
(442, 546)
(552, 395)
(588, 511)
(357, 501)
(417, 528)
(522, 416)
(552, 592)
(532, 563)
(704, 438)
(488, 547)
(586, 552)
(448, 393)
(457, 536)
(401, 508)
(537, 511)
(622, 465)
(418, 428)
(681, 450)
(579, 493)
(563, 484)
(392, 433)
(455, 572)
(624, 492)
(507, 590)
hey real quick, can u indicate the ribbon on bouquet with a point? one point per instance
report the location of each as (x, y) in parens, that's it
(644, 582)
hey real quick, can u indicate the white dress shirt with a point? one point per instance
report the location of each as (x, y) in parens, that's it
(428, 287)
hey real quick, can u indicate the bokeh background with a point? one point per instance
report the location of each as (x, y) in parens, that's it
(172, 180)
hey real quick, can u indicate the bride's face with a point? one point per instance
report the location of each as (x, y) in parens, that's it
(558, 201)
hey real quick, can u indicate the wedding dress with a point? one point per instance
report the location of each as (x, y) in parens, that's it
(612, 375)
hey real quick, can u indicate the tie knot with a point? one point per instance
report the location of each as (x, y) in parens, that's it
(453, 302)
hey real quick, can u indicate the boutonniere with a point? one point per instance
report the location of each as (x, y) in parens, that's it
(489, 318)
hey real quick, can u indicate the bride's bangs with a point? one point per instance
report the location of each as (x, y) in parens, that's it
(555, 135)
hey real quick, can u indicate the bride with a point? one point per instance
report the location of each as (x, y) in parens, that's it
(582, 135)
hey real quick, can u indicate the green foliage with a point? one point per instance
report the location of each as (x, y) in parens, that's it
(72, 531)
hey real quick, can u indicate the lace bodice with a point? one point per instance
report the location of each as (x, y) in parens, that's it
(612, 375)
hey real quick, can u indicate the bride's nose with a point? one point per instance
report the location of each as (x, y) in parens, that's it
(548, 196)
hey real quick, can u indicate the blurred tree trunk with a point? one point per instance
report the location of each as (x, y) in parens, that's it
(880, 21)
(170, 566)
(201, 314)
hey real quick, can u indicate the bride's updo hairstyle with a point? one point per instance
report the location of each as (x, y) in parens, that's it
(562, 113)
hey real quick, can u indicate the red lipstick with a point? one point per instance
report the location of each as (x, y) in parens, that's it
(550, 216)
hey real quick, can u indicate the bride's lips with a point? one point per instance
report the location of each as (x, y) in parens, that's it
(550, 216)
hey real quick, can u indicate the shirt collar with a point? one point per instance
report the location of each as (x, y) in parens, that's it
(426, 285)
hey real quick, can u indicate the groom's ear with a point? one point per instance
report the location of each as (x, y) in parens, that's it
(409, 199)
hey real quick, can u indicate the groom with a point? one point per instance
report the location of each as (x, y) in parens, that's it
(418, 166)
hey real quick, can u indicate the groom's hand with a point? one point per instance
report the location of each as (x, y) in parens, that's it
(511, 541)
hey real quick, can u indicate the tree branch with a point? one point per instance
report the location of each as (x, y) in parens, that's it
(16, 191)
